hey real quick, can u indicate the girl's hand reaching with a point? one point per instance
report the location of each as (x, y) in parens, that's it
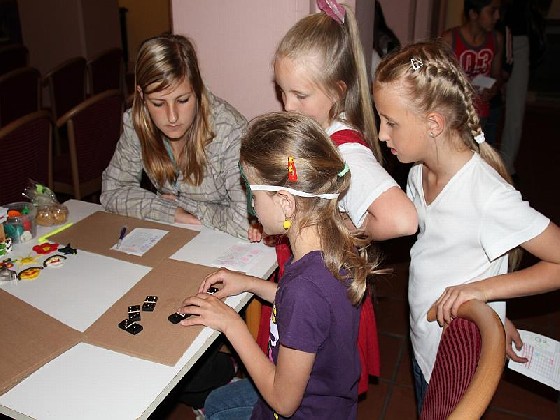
(255, 232)
(513, 338)
(210, 311)
(181, 216)
(228, 283)
(453, 297)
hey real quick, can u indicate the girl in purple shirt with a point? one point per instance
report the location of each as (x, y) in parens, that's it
(294, 176)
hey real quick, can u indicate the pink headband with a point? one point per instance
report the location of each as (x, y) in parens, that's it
(333, 10)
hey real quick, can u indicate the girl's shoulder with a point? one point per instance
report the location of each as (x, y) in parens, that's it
(310, 268)
(341, 133)
(223, 113)
(127, 118)
(129, 134)
(347, 136)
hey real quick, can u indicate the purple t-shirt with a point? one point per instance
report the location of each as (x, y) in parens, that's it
(312, 313)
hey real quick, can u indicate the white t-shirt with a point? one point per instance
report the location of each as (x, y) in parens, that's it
(369, 179)
(464, 236)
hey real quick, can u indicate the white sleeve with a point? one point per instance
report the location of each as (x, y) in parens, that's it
(509, 221)
(369, 180)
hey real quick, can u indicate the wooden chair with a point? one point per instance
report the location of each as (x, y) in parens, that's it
(93, 129)
(106, 71)
(66, 85)
(469, 364)
(20, 94)
(13, 57)
(26, 146)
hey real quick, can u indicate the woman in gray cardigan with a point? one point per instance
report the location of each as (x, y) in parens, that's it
(184, 138)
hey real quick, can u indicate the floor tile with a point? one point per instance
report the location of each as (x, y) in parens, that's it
(404, 370)
(392, 316)
(496, 414)
(401, 404)
(523, 396)
(393, 285)
(371, 406)
(390, 349)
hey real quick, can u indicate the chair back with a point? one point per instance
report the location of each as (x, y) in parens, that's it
(13, 57)
(26, 146)
(66, 85)
(469, 364)
(20, 94)
(106, 71)
(93, 129)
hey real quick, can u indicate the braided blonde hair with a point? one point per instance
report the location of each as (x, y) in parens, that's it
(437, 82)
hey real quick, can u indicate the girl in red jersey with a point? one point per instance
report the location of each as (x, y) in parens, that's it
(478, 48)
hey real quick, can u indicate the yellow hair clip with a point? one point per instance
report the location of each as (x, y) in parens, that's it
(292, 174)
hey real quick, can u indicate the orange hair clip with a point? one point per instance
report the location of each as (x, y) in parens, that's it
(292, 174)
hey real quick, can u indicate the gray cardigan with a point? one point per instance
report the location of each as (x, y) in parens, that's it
(218, 202)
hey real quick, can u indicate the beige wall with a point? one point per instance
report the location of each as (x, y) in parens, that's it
(235, 41)
(145, 18)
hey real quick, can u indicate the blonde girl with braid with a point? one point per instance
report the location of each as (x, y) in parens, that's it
(470, 216)
(294, 177)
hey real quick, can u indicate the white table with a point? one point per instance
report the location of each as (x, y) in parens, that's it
(89, 382)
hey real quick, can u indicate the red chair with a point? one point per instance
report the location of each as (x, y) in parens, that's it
(93, 129)
(106, 71)
(66, 85)
(20, 94)
(469, 364)
(26, 146)
(13, 57)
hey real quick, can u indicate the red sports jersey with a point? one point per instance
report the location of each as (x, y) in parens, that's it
(475, 61)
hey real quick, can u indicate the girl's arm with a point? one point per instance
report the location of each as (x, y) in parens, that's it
(496, 69)
(374, 202)
(232, 283)
(282, 386)
(542, 277)
(391, 215)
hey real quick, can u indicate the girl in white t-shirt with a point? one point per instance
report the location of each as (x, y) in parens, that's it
(470, 217)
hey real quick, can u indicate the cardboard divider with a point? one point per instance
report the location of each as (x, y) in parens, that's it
(30, 338)
(160, 341)
(98, 232)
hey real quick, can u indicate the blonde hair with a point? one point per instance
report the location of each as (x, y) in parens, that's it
(164, 61)
(265, 149)
(439, 83)
(339, 51)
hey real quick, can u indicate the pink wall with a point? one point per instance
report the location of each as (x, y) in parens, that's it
(236, 40)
